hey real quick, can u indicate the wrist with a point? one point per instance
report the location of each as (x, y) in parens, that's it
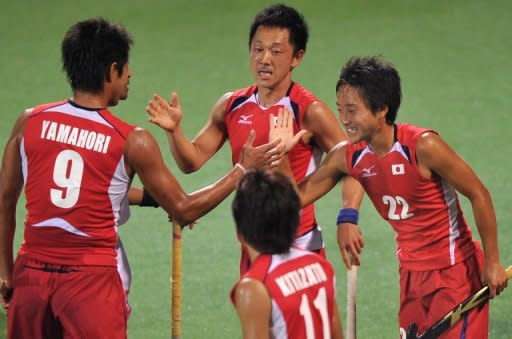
(147, 200)
(241, 167)
(347, 215)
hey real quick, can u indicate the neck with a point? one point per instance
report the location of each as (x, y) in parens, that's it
(269, 96)
(89, 100)
(253, 254)
(383, 140)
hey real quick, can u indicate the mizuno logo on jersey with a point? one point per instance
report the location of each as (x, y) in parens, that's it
(245, 119)
(397, 169)
(367, 172)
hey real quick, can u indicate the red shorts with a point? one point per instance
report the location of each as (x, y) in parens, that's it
(426, 296)
(54, 301)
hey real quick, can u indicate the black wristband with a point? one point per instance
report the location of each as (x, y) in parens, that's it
(147, 200)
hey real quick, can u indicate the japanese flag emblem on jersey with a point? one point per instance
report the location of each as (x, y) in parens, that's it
(397, 169)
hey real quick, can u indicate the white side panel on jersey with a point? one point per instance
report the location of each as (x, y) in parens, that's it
(117, 192)
(278, 325)
(61, 223)
(23, 160)
(67, 108)
(450, 197)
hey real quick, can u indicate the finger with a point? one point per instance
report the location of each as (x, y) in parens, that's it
(280, 118)
(287, 121)
(175, 101)
(297, 137)
(354, 256)
(250, 139)
(344, 256)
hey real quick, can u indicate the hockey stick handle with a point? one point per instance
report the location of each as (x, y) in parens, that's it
(351, 303)
(176, 282)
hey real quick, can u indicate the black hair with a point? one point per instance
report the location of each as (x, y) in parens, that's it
(88, 50)
(377, 81)
(282, 16)
(266, 211)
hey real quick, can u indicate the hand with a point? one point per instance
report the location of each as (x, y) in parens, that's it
(5, 295)
(166, 115)
(350, 241)
(281, 127)
(264, 156)
(494, 275)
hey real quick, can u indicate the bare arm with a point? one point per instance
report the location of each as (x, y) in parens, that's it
(337, 328)
(190, 155)
(166, 190)
(435, 157)
(253, 306)
(321, 181)
(11, 184)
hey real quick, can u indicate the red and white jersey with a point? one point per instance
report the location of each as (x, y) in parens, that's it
(75, 184)
(431, 231)
(301, 285)
(244, 113)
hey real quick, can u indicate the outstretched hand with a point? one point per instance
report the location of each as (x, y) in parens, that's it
(165, 114)
(264, 156)
(281, 128)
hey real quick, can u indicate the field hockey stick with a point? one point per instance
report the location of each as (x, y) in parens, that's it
(176, 282)
(452, 317)
(351, 301)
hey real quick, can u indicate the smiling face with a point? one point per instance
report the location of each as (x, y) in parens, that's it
(359, 121)
(272, 57)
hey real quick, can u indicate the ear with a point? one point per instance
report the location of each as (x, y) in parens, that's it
(381, 113)
(297, 58)
(113, 71)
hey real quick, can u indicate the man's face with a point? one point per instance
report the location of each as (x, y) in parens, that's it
(355, 116)
(120, 85)
(272, 56)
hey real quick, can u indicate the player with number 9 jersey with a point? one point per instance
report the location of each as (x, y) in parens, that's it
(75, 184)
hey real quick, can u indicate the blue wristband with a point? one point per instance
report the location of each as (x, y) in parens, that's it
(350, 215)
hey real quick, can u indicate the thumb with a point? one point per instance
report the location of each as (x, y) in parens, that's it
(298, 136)
(175, 101)
(251, 138)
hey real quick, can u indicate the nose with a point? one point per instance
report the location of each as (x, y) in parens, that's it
(265, 57)
(343, 118)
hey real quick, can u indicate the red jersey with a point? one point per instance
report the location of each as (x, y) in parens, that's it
(431, 231)
(244, 113)
(301, 287)
(75, 184)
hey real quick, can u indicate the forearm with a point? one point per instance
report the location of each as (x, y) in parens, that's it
(184, 151)
(192, 206)
(7, 227)
(485, 219)
(351, 193)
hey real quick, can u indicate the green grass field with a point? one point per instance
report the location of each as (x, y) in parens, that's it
(454, 59)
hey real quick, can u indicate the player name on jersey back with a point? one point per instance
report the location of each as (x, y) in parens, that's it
(79, 137)
(301, 278)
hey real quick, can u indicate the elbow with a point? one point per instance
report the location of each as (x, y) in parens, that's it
(189, 167)
(183, 214)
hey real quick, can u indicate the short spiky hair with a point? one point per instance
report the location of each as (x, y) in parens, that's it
(266, 211)
(378, 83)
(283, 16)
(88, 50)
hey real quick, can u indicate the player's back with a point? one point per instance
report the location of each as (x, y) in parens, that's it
(301, 285)
(75, 184)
